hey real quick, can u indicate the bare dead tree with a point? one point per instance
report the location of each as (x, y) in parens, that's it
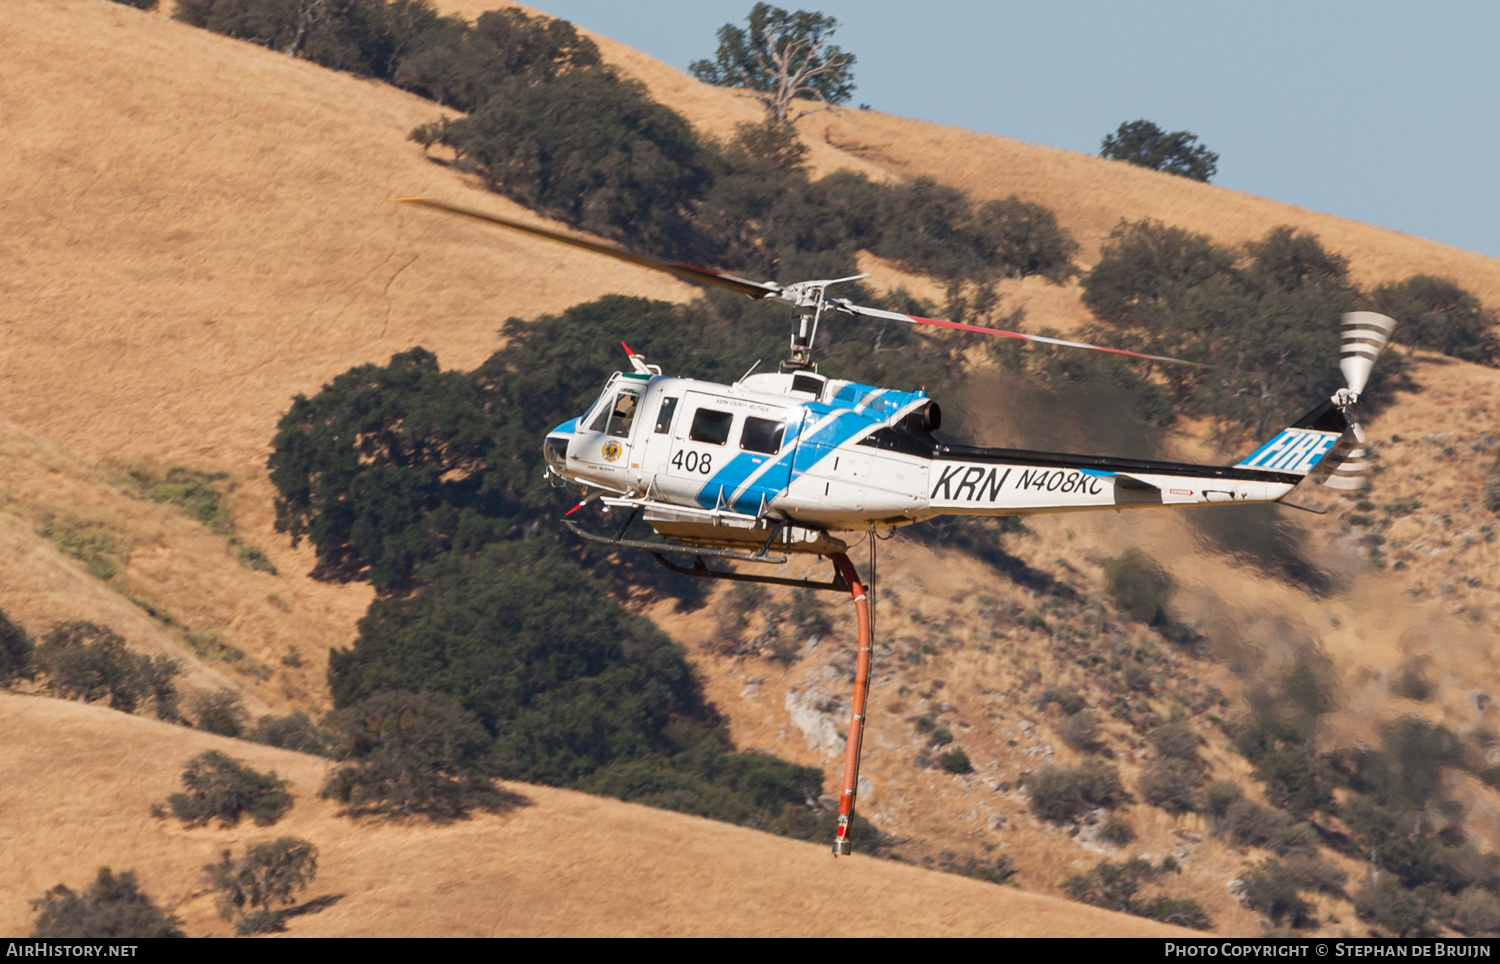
(794, 67)
(310, 13)
(782, 58)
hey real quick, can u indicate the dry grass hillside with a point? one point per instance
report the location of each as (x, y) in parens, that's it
(80, 782)
(199, 229)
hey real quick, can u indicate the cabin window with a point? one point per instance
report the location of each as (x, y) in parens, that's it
(622, 415)
(711, 426)
(664, 415)
(762, 435)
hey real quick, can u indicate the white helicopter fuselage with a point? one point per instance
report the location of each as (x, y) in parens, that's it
(716, 464)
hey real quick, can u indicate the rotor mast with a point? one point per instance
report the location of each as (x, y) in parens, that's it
(808, 298)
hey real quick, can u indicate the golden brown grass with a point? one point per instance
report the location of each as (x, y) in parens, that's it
(201, 229)
(80, 781)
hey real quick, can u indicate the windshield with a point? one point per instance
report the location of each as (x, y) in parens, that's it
(599, 415)
(622, 413)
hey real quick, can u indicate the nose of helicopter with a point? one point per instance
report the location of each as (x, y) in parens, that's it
(555, 446)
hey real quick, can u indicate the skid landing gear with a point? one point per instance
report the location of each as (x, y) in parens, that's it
(842, 845)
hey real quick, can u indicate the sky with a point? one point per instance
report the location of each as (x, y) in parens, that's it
(1387, 113)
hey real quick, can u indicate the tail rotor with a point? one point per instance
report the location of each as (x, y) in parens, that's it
(1364, 336)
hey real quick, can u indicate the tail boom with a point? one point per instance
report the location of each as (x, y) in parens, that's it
(1001, 482)
(964, 480)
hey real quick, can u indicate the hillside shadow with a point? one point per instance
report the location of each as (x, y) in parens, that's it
(1259, 537)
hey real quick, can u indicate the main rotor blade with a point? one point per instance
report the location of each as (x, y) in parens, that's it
(687, 272)
(861, 311)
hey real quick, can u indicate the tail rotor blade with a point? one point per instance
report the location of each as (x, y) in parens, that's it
(860, 311)
(1365, 335)
(1350, 462)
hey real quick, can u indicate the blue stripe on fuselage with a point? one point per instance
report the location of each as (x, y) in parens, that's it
(841, 422)
(732, 477)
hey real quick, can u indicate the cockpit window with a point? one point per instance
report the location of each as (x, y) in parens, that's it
(711, 426)
(622, 414)
(762, 435)
(601, 415)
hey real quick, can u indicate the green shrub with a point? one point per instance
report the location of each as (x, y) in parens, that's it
(1081, 732)
(1268, 309)
(956, 761)
(1143, 144)
(751, 789)
(593, 150)
(1182, 911)
(291, 732)
(1116, 886)
(221, 712)
(409, 753)
(1419, 848)
(1476, 912)
(466, 66)
(1220, 795)
(1001, 870)
(113, 906)
(1115, 830)
(1060, 794)
(1019, 239)
(1176, 741)
(196, 493)
(1411, 682)
(1296, 780)
(564, 690)
(1250, 824)
(1139, 586)
(1068, 699)
(1271, 889)
(1409, 770)
(1171, 784)
(221, 788)
(1437, 314)
(1109, 885)
(809, 617)
(90, 662)
(1314, 874)
(770, 141)
(268, 874)
(16, 652)
(1398, 910)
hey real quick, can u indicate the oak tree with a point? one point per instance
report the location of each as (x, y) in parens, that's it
(782, 57)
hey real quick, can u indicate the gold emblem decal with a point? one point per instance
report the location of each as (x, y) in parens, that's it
(611, 450)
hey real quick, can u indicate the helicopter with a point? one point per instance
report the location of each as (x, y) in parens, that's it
(779, 463)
